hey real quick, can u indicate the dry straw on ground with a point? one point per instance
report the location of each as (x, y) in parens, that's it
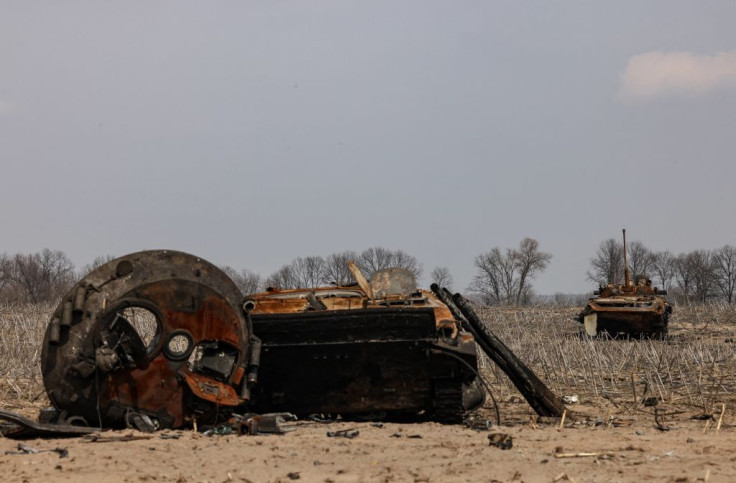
(695, 367)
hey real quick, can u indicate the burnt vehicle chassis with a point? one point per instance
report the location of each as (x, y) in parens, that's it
(630, 313)
(387, 361)
(214, 353)
(376, 350)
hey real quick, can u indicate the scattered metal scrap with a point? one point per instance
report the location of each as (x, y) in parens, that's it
(275, 423)
(344, 433)
(103, 438)
(25, 449)
(500, 440)
(204, 355)
(22, 427)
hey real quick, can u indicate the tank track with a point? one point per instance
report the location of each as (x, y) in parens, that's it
(447, 395)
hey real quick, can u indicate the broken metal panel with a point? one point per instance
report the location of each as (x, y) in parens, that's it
(22, 427)
(590, 322)
(393, 282)
(207, 389)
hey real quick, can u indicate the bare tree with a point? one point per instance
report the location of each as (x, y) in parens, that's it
(664, 268)
(608, 264)
(695, 274)
(401, 259)
(283, 278)
(248, 282)
(704, 274)
(442, 277)
(378, 258)
(495, 279)
(529, 262)
(487, 282)
(5, 271)
(374, 259)
(641, 259)
(96, 263)
(43, 276)
(684, 275)
(302, 272)
(504, 275)
(336, 268)
(724, 260)
(309, 271)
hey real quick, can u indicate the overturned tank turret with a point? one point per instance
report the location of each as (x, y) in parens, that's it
(635, 309)
(154, 339)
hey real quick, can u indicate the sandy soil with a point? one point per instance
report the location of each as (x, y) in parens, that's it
(631, 448)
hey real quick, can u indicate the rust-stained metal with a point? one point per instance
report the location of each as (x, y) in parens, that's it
(98, 370)
(380, 347)
(635, 308)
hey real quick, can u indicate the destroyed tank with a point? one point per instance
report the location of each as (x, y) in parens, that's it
(207, 353)
(382, 348)
(634, 309)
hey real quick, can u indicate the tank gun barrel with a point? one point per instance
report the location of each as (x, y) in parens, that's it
(627, 276)
(537, 394)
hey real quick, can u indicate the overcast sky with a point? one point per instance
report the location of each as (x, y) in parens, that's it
(251, 133)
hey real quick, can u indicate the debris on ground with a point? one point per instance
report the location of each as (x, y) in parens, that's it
(25, 449)
(500, 440)
(344, 433)
(273, 423)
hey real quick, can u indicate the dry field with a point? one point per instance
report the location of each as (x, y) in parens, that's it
(613, 432)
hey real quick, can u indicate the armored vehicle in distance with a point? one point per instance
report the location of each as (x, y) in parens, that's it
(635, 309)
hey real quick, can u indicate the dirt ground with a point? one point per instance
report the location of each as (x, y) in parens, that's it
(608, 435)
(624, 447)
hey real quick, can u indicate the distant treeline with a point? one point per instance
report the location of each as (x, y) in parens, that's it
(698, 276)
(503, 275)
(47, 275)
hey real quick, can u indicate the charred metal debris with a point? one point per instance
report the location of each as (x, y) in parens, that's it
(165, 340)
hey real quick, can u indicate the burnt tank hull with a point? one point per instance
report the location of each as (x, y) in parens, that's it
(632, 309)
(361, 358)
(633, 315)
